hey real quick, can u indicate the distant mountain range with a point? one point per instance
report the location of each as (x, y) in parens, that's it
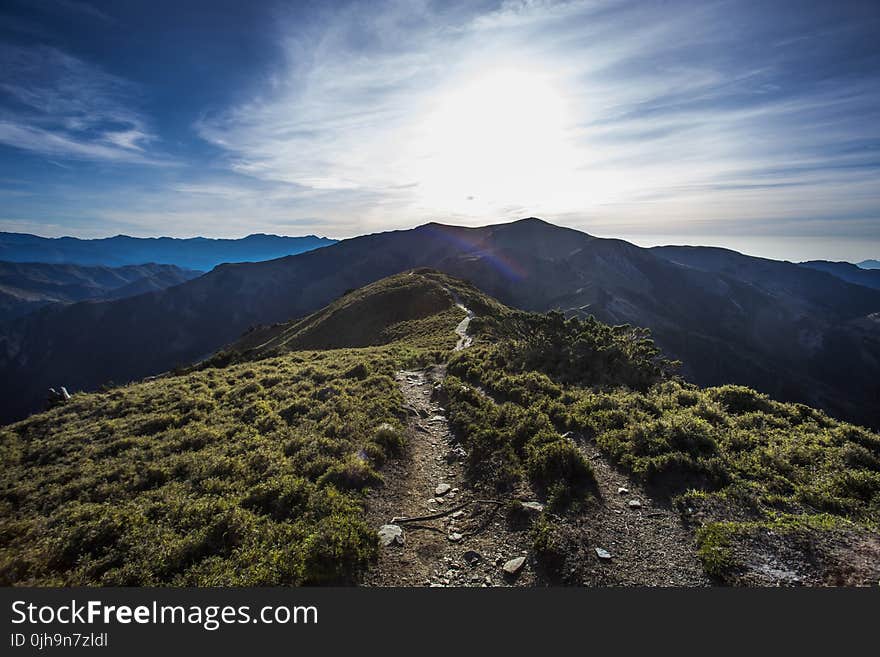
(869, 264)
(786, 329)
(199, 253)
(847, 272)
(26, 287)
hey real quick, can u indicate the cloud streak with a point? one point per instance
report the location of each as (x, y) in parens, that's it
(675, 113)
(55, 104)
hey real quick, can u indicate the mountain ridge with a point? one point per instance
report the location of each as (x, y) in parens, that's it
(807, 337)
(198, 253)
(26, 287)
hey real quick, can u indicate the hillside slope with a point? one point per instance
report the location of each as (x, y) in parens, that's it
(809, 337)
(28, 286)
(261, 465)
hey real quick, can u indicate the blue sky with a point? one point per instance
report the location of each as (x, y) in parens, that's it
(753, 125)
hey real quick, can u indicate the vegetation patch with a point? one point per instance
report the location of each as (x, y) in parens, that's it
(728, 456)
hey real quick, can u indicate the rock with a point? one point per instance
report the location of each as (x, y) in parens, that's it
(457, 515)
(326, 393)
(532, 507)
(437, 418)
(64, 394)
(453, 491)
(390, 535)
(513, 566)
(455, 537)
(604, 555)
(442, 489)
(635, 504)
(623, 491)
(472, 558)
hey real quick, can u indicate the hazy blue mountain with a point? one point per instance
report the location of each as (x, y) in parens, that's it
(198, 253)
(27, 286)
(848, 272)
(791, 331)
(869, 264)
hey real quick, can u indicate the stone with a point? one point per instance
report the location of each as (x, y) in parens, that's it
(472, 558)
(391, 535)
(457, 515)
(604, 555)
(635, 504)
(455, 537)
(442, 489)
(513, 566)
(623, 491)
(532, 507)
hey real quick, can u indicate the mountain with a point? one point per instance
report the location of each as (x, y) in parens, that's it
(795, 333)
(25, 287)
(306, 452)
(198, 253)
(869, 264)
(847, 272)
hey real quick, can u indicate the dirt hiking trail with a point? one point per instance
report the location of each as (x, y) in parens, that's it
(642, 542)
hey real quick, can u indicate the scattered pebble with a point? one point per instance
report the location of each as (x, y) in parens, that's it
(604, 555)
(623, 491)
(635, 504)
(513, 566)
(457, 515)
(442, 489)
(455, 537)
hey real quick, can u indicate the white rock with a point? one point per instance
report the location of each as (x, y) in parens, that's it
(635, 504)
(458, 514)
(604, 555)
(442, 489)
(623, 491)
(513, 566)
(391, 535)
(455, 537)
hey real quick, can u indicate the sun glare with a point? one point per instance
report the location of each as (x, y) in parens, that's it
(500, 139)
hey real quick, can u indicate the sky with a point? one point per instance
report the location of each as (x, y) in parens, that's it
(751, 125)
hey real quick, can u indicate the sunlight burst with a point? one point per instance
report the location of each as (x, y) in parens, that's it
(501, 138)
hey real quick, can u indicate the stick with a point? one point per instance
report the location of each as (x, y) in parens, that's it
(434, 516)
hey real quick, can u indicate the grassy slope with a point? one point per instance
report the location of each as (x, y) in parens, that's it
(251, 468)
(738, 464)
(247, 474)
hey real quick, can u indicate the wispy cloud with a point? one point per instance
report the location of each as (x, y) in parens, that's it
(56, 104)
(676, 113)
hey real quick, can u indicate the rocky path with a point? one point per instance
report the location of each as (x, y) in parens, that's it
(648, 542)
(464, 340)
(466, 548)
